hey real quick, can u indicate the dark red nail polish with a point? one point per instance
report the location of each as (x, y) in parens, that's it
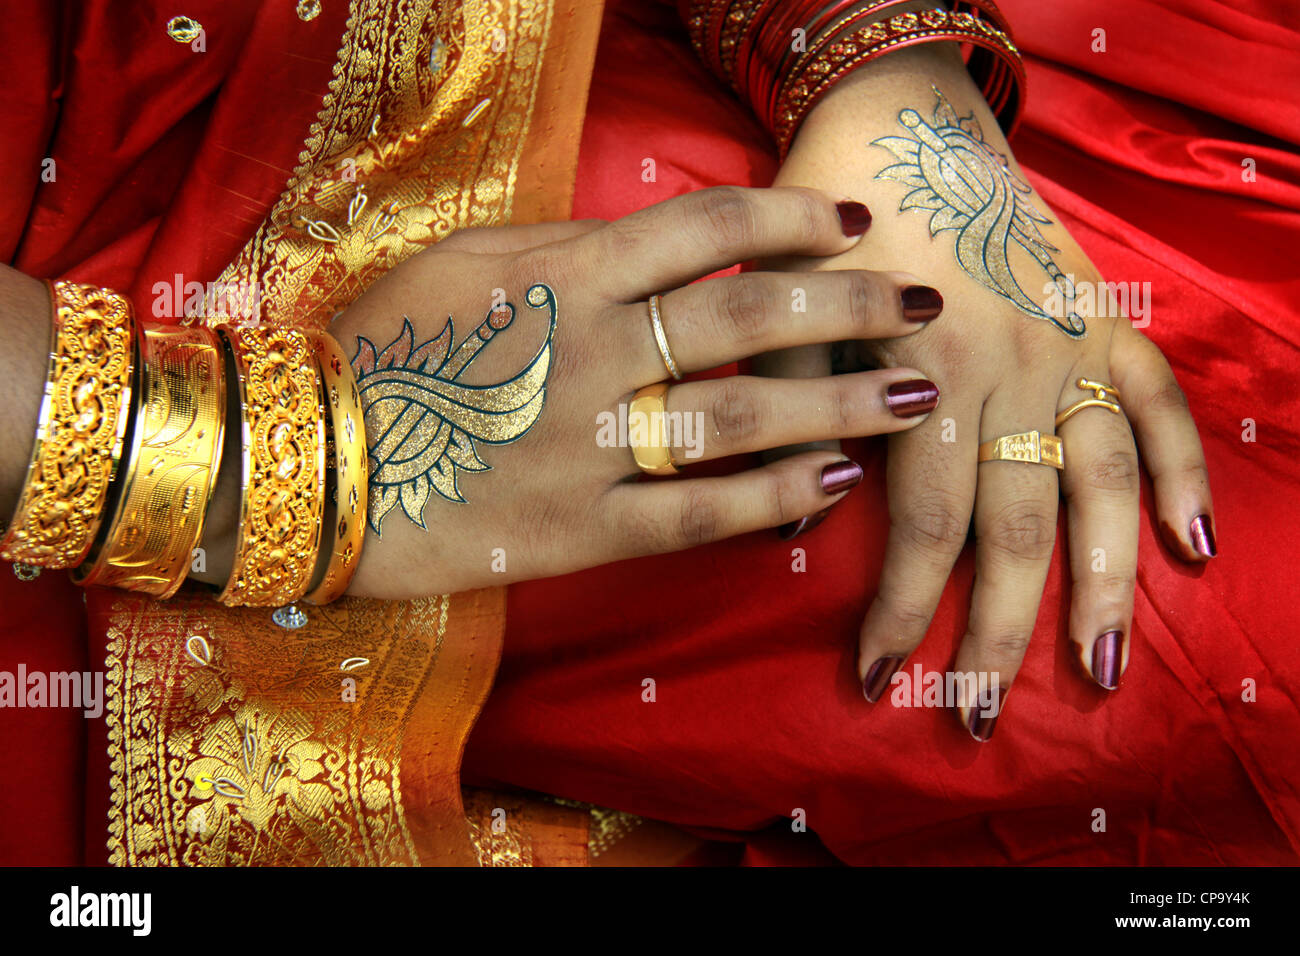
(855, 218)
(920, 303)
(981, 727)
(877, 680)
(1108, 659)
(796, 528)
(908, 399)
(1203, 536)
(840, 476)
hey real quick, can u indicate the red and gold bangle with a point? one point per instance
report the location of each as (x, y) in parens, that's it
(283, 466)
(171, 468)
(351, 466)
(901, 31)
(81, 428)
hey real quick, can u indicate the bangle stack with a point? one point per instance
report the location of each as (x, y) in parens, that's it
(160, 393)
(784, 56)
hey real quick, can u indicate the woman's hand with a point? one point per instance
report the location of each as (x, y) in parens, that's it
(951, 205)
(491, 448)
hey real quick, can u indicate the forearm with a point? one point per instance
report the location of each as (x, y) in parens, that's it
(24, 364)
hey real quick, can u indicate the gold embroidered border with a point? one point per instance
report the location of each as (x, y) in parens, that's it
(235, 744)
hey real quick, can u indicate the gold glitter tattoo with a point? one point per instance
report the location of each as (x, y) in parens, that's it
(421, 424)
(970, 189)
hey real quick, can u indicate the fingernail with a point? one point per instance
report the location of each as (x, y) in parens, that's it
(1203, 536)
(920, 303)
(855, 218)
(877, 679)
(796, 528)
(840, 476)
(909, 399)
(1108, 659)
(980, 726)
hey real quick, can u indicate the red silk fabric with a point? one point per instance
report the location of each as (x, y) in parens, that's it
(758, 711)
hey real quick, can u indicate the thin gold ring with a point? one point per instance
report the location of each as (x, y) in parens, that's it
(649, 405)
(661, 339)
(1032, 448)
(1105, 396)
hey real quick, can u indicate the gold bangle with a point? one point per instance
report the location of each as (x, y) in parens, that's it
(283, 466)
(351, 467)
(656, 457)
(81, 428)
(171, 468)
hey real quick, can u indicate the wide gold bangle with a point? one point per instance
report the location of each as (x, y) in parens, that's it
(80, 431)
(283, 466)
(171, 467)
(347, 434)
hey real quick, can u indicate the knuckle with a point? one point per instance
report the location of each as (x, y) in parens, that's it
(698, 520)
(1111, 587)
(737, 413)
(743, 305)
(844, 408)
(866, 301)
(934, 522)
(1007, 640)
(1113, 469)
(727, 218)
(807, 219)
(1167, 397)
(907, 617)
(550, 265)
(1024, 529)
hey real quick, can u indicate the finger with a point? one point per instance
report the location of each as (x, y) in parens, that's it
(712, 323)
(1168, 441)
(675, 242)
(1102, 493)
(661, 516)
(1015, 531)
(931, 478)
(741, 413)
(498, 239)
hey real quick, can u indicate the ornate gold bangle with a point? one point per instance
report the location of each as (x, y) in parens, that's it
(171, 468)
(80, 431)
(283, 466)
(351, 464)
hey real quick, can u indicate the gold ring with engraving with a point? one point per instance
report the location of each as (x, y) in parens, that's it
(171, 467)
(1033, 448)
(653, 456)
(283, 464)
(661, 339)
(347, 434)
(1105, 396)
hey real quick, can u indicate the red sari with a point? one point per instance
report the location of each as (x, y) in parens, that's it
(1140, 151)
(758, 713)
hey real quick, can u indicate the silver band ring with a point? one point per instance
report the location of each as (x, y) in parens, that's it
(661, 339)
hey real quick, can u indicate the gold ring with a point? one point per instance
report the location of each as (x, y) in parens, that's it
(1105, 396)
(647, 431)
(661, 339)
(1033, 448)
